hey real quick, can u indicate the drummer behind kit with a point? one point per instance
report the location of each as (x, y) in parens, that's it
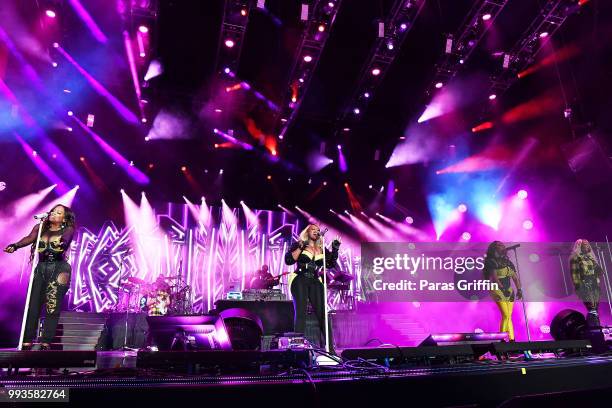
(168, 295)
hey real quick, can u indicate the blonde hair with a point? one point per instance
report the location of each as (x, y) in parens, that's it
(577, 250)
(304, 235)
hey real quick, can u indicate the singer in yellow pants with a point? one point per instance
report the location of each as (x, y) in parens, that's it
(500, 270)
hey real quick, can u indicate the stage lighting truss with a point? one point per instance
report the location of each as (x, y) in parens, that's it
(148, 9)
(233, 28)
(458, 47)
(391, 34)
(143, 13)
(306, 59)
(551, 17)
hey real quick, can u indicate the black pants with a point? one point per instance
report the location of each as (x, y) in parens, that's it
(589, 292)
(306, 288)
(47, 290)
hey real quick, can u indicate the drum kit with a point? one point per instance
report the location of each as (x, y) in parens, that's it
(168, 295)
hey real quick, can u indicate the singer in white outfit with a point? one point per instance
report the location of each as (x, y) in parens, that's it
(52, 274)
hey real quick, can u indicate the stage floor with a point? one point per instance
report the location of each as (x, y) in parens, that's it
(567, 381)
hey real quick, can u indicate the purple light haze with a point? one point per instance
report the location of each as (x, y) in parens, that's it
(27, 68)
(132, 171)
(42, 166)
(89, 21)
(119, 107)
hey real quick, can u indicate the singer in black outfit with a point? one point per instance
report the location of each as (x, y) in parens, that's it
(52, 274)
(306, 286)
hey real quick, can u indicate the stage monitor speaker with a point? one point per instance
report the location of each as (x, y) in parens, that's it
(202, 332)
(243, 327)
(403, 355)
(568, 324)
(479, 342)
(448, 339)
(47, 359)
(276, 315)
(572, 346)
(222, 361)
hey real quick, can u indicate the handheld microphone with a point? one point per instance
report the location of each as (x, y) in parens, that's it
(512, 247)
(41, 216)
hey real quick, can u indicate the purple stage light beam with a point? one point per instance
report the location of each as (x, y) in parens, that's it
(101, 90)
(342, 161)
(133, 70)
(89, 21)
(131, 170)
(66, 199)
(27, 68)
(42, 166)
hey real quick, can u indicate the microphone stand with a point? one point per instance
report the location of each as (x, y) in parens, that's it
(604, 269)
(27, 302)
(326, 317)
(522, 297)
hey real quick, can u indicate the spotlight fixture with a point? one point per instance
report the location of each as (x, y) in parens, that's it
(439, 85)
(143, 29)
(229, 43)
(50, 13)
(70, 113)
(376, 71)
(307, 58)
(522, 194)
(492, 97)
(321, 28)
(54, 64)
(544, 34)
(410, 220)
(486, 17)
(356, 111)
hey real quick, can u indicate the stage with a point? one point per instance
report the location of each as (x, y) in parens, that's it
(566, 381)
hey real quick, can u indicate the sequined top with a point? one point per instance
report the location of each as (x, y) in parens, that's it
(53, 244)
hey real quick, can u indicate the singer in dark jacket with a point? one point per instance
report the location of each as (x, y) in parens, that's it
(52, 274)
(499, 269)
(306, 286)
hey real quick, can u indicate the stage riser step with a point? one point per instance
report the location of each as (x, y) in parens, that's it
(79, 333)
(81, 326)
(73, 347)
(83, 314)
(97, 320)
(79, 340)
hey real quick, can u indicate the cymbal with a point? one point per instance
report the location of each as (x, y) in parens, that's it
(136, 281)
(338, 286)
(343, 277)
